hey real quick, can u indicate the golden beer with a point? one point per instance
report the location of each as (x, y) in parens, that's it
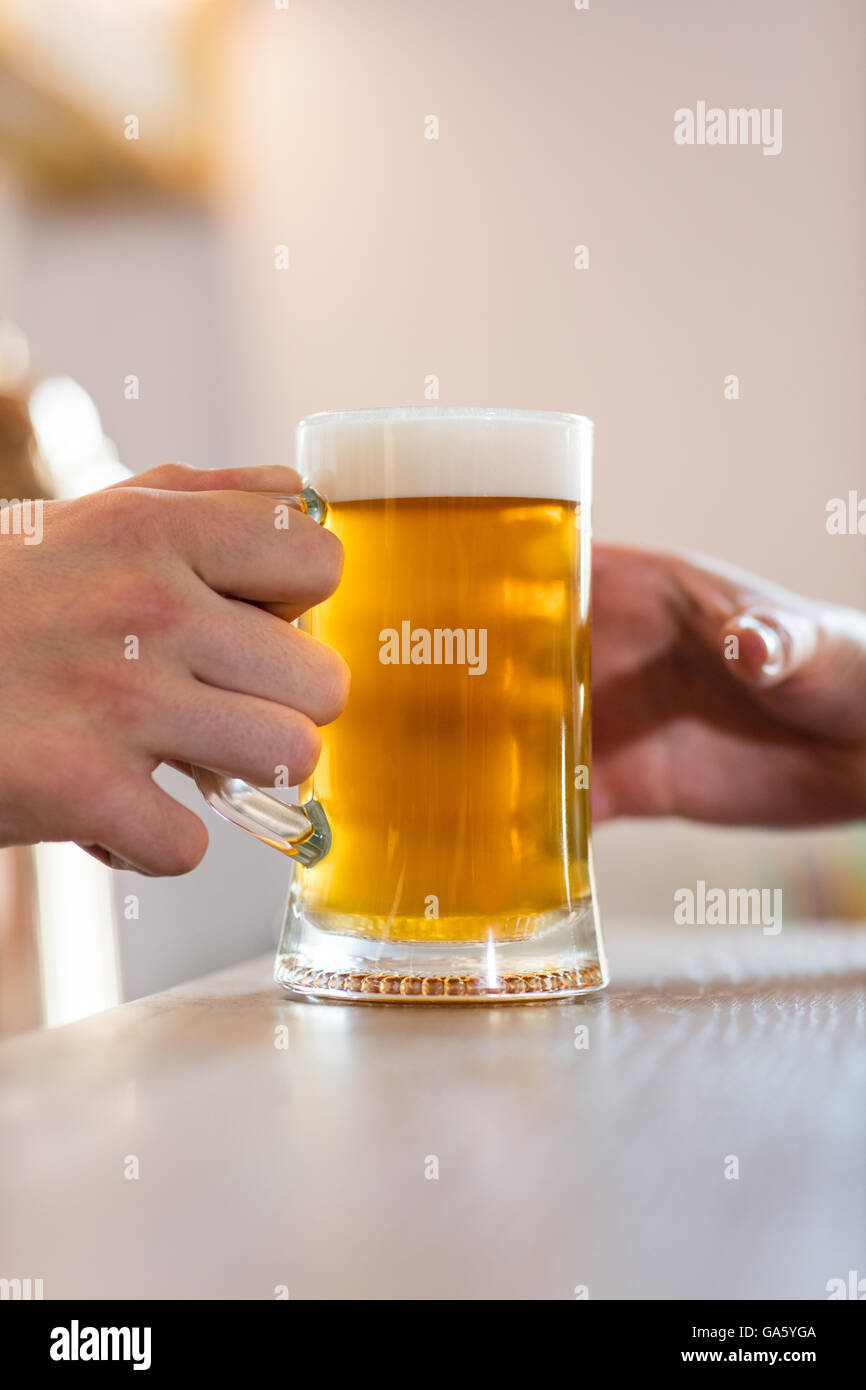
(449, 780)
(442, 850)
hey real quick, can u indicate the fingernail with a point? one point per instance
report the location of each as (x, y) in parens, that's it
(788, 640)
(118, 863)
(773, 661)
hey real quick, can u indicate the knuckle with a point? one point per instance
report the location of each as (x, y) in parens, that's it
(167, 477)
(125, 697)
(131, 517)
(143, 601)
(126, 685)
(175, 473)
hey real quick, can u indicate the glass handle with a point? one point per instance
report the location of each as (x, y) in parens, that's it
(301, 832)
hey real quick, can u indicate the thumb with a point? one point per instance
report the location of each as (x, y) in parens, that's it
(179, 477)
(806, 664)
(769, 645)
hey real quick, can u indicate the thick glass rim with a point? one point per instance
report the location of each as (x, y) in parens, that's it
(398, 413)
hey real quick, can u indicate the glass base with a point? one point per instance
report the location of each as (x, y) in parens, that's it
(563, 957)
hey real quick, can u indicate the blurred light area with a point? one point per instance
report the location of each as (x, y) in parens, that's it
(73, 71)
(66, 420)
(14, 356)
(78, 957)
(77, 455)
(119, 54)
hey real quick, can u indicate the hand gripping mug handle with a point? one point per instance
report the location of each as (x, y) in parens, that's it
(301, 832)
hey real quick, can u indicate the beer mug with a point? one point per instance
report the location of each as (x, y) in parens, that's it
(443, 846)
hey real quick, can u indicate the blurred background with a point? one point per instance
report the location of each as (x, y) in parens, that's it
(218, 216)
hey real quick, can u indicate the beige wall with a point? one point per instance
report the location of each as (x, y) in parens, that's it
(455, 257)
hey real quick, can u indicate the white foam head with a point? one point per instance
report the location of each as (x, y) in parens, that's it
(446, 451)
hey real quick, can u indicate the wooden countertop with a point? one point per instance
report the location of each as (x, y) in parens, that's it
(559, 1166)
